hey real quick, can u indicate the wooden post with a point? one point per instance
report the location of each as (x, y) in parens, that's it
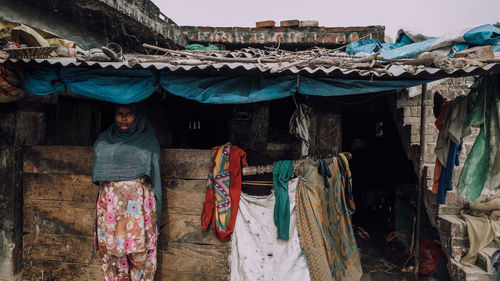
(422, 179)
(10, 194)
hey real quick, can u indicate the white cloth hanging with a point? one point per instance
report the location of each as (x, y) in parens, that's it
(256, 252)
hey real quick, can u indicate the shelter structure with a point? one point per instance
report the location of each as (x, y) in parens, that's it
(197, 100)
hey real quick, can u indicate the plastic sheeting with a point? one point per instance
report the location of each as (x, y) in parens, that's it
(408, 45)
(256, 251)
(123, 86)
(481, 171)
(126, 86)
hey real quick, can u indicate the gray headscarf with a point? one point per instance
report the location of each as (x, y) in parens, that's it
(126, 155)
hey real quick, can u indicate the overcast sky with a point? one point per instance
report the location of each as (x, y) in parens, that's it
(430, 17)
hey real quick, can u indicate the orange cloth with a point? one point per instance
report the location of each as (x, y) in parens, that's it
(438, 166)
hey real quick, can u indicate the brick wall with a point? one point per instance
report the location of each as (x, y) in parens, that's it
(299, 37)
(407, 116)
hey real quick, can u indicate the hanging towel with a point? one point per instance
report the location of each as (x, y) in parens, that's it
(281, 174)
(256, 254)
(223, 190)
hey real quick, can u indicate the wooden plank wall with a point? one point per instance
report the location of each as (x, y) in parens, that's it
(59, 215)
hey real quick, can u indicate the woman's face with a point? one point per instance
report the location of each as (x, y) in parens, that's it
(124, 118)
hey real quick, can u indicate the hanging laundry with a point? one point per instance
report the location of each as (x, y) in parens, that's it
(481, 172)
(449, 143)
(347, 182)
(282, 171)
(452, 129)
(223, 190)
(324, 226)
(256, 254)
(446, 176)
(439, 125)
(299, 127)
(324, 171)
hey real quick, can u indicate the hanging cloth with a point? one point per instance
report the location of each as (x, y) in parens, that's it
(347, 182)
(324, 225)
(282, 172)
(256, 254)
(324, 171)
(223, 190)
(481, 171)
(439, 125)
(446, 176)
(299, 127)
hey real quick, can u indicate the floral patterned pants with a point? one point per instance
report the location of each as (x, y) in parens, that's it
(126, 230)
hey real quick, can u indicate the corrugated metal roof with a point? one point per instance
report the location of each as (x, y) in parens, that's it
(265, 62)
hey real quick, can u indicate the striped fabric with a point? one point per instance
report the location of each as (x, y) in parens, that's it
(324, 226)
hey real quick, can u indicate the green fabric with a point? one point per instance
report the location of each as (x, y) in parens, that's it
(281, 175)
(127, 155)
(198, 47)
(482, 168)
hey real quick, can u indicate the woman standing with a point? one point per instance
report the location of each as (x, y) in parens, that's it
(127, 169)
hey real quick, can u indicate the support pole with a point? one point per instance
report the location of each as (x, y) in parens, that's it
(422, 179)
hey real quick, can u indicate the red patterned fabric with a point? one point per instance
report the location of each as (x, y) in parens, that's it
(237, 160)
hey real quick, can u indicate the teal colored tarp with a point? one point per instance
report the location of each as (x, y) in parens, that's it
(225, 89)
(126, 86)
(42, 81)
(405, 47)
(122, 86)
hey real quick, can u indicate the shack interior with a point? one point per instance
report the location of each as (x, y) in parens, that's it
(59, 199)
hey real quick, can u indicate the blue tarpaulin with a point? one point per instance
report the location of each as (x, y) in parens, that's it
(132, 85)
(405, 47)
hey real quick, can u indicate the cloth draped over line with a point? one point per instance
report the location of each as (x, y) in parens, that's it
(481, 171)
(324, 226)
(282, 171)
(438, 166)
(445, 181)
(483, 226)
(299, 127)
(449, 144)
(347, 182)
(127, 155)
(452, 127)
(256, 254)
(223, 190)
(127, 86)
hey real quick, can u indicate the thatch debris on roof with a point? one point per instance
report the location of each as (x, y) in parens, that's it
(277, 61)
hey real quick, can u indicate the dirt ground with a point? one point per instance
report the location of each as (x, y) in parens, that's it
(383, 261)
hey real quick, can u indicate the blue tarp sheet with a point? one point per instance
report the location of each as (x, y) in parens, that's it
(132, 85)
(405, 47)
